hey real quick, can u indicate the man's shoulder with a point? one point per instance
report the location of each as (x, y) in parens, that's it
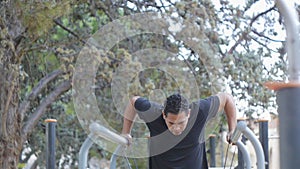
(203, 102)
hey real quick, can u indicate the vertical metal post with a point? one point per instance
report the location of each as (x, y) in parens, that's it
(289, 115)
(264, 139)
(212, 150)
(222, 146)
(50, 143)
(288, 97)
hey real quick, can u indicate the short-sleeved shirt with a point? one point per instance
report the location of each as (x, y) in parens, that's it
(185, 151)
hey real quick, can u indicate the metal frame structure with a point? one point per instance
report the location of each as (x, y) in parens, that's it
(100, 131)
(240, 129)
(245, 154)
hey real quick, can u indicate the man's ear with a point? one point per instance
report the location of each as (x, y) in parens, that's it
(189, 113)
(164, 115)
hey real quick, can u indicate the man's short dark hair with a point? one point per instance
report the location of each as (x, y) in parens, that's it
(175, 104)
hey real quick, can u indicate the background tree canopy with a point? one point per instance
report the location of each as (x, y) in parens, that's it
(240, 47)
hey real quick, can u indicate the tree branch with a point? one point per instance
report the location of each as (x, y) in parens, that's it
(36, 90)
(260, 14)
(241, 38)
(264, 36)
(33, 119)
(245, 33)
(68, 30)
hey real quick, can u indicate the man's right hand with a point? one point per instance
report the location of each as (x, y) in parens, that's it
(128, 138)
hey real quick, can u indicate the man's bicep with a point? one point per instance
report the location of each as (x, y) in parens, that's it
(214, 106)
(222, 101)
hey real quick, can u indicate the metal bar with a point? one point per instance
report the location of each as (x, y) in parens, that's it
(291, 22)
(237, 133)
(113, 159)
(222, 148)
(98, 130)
(212, 150)
(263, 138)
(288, 98)
(246, 157)
(289, 114)
(241, 159)
(257, 146)
(50, 142)
(103, 132)
(241, 164)
(84, 151)
(242, 128)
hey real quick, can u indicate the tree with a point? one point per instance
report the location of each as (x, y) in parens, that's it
(16, 35)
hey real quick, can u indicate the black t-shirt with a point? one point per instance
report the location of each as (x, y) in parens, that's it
(186, 151)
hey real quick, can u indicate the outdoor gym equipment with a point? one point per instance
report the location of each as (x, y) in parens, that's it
(96, 131)
(240, 129)
(99, 130)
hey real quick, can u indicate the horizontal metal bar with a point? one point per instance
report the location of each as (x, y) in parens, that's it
(99, 130)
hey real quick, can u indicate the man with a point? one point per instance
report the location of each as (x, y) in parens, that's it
(177, 128)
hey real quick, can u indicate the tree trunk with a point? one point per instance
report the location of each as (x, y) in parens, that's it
(10, 141)
(10, 120)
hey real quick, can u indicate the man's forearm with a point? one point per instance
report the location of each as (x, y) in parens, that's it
(127, 125)
(230, 111)
(129, 116)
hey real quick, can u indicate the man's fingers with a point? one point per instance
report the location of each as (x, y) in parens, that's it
(128, 137)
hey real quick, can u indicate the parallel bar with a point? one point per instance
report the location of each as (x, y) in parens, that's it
(241, 164)
(212, 150)
(257, 147)
(113, 159)
(237, 132)
(246, 157)
(241, 158)
(103, 132)
(264, 140)
(242, 128)
(50, 141)
(98, 130)
(84, 151)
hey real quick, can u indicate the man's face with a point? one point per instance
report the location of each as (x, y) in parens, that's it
(176, 122)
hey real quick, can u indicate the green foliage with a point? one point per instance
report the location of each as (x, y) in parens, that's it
(38, 16)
